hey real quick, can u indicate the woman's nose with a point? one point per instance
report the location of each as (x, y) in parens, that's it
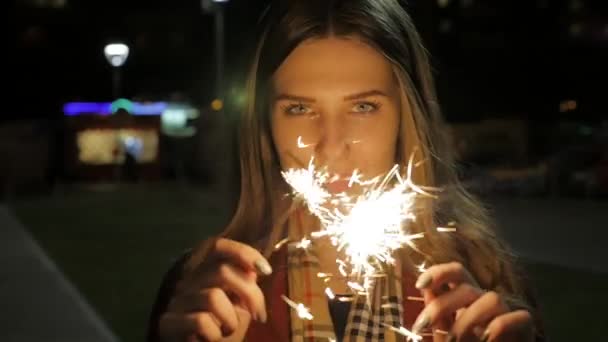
(332, 144)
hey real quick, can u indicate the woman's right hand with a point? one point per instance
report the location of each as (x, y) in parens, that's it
(218, 303)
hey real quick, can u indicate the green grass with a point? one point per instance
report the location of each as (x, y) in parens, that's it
(116, 245)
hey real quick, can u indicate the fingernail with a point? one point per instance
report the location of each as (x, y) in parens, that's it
(263, 266)
(423, 281)
(485, 336)
(421, 323)
(263, 317)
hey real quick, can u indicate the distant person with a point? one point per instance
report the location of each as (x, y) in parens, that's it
(130, 168)
(351, 79)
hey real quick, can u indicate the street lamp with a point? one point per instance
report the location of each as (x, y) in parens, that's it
(116, 54)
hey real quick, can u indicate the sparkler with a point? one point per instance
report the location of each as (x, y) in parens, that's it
(368, 227)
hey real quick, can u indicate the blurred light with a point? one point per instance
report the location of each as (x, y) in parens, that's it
(107, 108)
(576, 5)
(466, 3)
(567, 106)
(585, 130)
(121, 104)
(575, 29)
(443, 3)
(77, 108)
(153, 108)
(46, 3)
(59, 3)
(445, 25)
(108, 146)
(116, 54)
(133, 145)
(238, 96)
(219, 0)
(174, 121)
(217, 105)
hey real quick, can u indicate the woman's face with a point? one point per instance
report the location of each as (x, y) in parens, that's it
(336, 100)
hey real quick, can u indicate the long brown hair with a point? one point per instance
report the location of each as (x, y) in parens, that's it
(386, 26)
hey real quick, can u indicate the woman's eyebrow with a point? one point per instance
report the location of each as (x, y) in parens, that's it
(373, 92)
(291, 97)
(367, 93)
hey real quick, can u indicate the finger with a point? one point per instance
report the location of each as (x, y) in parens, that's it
(242, 255)
(218, 303)
(179, 326)
(444, 306)
(513, 326)
(244, 319)
(436, 276)
(479, 313)
(205, 325)
(214, 300)
(248, 292)
(441, 325)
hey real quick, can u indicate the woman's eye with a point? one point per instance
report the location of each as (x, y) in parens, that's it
(297, 109)
(365, 107)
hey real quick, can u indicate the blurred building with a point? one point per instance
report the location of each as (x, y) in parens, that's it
(112, 141)
(122, 140)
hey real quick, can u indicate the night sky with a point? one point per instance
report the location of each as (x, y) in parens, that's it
(491, 58)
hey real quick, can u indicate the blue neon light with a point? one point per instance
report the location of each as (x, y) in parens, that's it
(105, 108)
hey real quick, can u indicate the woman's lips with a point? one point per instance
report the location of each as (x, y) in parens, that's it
(337, 186)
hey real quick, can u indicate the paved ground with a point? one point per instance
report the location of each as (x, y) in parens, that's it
(567, 232)
(37, 303)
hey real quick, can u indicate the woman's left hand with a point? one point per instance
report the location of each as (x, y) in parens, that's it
(452, 295)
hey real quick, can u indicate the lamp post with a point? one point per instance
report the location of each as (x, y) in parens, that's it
(221, 136)
(215, 7)
(116, 54)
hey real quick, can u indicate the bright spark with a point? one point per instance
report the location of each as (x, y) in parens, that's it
(304, 243)
(403, 331)
(301, 144)
(303, 312)
(281, 243)
(345, 299)
(329, 293)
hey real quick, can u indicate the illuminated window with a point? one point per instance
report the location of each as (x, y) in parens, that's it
(109, 146)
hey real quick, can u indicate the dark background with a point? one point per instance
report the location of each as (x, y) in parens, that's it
(492, 58)
(521, 83)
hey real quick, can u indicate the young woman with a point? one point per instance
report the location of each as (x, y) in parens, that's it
(348, 83)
